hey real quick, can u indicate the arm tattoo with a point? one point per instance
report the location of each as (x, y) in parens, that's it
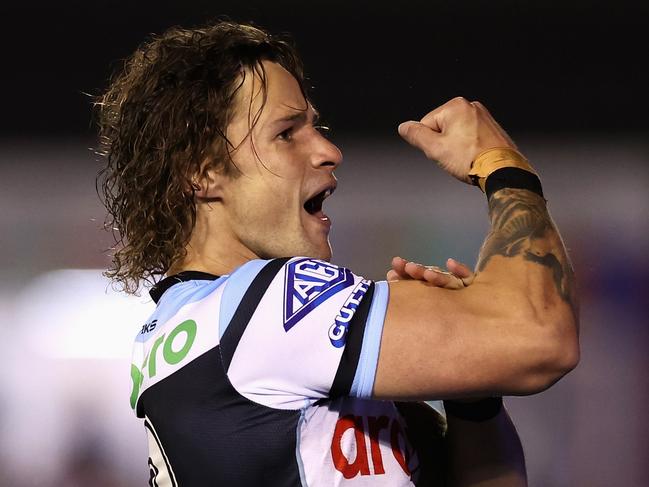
(521, 225)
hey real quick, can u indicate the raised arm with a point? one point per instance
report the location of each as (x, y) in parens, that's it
(514, 330)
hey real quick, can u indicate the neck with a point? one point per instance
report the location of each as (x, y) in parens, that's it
(212, 248)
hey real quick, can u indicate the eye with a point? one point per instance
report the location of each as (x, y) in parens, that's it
(286, 135)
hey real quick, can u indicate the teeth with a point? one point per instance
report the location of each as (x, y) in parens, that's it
(327, 193)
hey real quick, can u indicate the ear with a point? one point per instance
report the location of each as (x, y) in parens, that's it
(209, 185)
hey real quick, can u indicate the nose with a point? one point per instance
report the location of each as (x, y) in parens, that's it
(326, 153)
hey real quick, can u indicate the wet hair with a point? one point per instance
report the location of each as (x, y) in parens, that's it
(162, 122)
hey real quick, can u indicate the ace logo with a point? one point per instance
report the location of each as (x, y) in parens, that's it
(307, 284)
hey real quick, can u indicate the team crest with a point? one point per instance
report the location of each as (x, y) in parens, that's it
(308, 284)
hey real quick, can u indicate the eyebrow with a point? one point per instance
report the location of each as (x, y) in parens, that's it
(300, 116)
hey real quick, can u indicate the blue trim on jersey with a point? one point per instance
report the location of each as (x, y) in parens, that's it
(235, 288)
(368, 361)
(178, 296)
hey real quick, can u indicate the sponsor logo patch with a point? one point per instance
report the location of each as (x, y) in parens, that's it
(381, 431)
(307, 284)
(338, 331)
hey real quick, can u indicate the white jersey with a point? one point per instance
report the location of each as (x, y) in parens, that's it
(264, 378)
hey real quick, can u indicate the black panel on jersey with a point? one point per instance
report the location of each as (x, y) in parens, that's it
(246, 309)
(153, 469)
(213, 436)
(349, 360)
(158, 290)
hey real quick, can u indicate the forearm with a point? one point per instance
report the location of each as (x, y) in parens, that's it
(524, 263)
(487, 453)
(533, 256)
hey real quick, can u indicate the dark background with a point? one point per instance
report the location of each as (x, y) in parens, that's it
(547, 66)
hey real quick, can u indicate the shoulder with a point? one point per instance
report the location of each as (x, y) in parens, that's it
(303, 286)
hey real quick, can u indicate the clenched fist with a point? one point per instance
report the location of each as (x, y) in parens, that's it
(454, 134)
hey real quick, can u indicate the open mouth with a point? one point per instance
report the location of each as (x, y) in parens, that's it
(313, 205)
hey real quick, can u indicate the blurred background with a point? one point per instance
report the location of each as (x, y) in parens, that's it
(566, 79)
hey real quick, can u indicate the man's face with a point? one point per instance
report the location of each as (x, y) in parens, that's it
(274, 208)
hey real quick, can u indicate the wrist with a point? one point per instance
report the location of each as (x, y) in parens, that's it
(503, 167)
(491, 160)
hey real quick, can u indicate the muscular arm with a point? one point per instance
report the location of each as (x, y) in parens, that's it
(514, 330)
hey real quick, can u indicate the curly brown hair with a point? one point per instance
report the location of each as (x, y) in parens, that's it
(162, 122)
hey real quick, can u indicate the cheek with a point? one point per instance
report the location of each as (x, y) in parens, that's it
(269, 207)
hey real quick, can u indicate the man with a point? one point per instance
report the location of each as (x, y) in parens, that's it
(263, 363)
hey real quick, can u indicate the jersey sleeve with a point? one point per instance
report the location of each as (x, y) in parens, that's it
(303, 330)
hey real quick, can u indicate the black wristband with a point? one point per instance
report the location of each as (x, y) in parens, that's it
(512, 177)
(477, 411)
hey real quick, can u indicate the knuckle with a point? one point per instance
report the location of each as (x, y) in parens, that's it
(461, 105)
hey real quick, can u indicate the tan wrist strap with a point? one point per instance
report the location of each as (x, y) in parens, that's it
(491, 160)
